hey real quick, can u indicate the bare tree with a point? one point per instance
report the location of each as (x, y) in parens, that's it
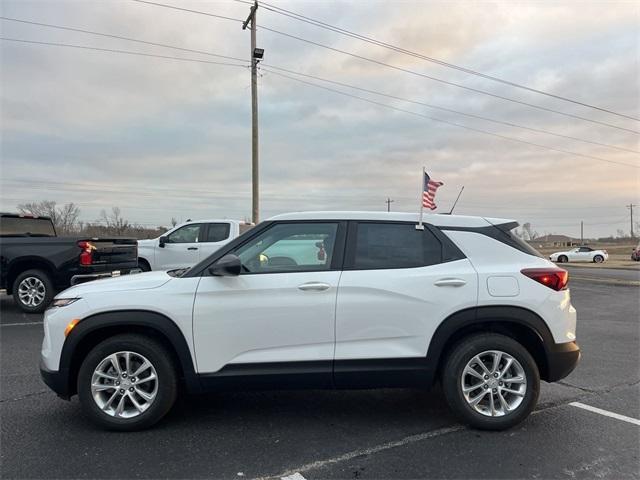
(528, 233)
(174, 222)
(64, 218)
(114, 221)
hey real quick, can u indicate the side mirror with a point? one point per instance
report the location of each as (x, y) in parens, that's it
(162, 242)
(228, 266)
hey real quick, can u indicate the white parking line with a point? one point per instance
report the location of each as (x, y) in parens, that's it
(295, 476)
(606, 413)
(20, 324)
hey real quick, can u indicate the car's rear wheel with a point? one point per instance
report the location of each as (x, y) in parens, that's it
(491, 381)
(127, 382)
(598, 259)
(33, 291)
(563, 259)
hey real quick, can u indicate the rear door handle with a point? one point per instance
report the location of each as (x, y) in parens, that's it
(192, 248)
(450, 282)
(317, 286)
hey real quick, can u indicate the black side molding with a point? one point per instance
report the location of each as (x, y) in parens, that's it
(92, 325)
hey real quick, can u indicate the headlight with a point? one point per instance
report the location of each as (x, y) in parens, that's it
(63, 302)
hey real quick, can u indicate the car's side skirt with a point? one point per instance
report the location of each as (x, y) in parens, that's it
(378, 373)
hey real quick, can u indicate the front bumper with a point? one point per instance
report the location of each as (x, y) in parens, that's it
(562, 359)
(56, 381)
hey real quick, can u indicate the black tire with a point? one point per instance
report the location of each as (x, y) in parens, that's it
(461, 355)
(598, 259)
(41, 278)
(165, 369)
(563, 259)
(144, 265)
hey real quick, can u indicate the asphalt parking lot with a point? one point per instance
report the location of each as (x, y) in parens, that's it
(343, 434)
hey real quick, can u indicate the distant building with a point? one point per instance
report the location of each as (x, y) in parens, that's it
(556, 241)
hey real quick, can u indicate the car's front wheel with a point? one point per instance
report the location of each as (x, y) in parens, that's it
(127, 382)
(598, 259)
(563, 259)
(491, 381)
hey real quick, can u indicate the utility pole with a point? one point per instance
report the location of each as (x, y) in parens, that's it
(581, 232)
(388, 201)
(630, 207)
(256, 56)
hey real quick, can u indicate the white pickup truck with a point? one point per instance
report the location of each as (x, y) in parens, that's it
(187, 243)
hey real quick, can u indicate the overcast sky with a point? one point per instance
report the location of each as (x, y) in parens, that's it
(164, 138)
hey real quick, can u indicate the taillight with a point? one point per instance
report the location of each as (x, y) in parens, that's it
(86, 256)
(554, 278)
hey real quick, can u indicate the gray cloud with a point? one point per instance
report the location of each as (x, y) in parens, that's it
(164, 138)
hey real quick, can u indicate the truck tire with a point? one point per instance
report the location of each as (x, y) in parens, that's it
(143, 265)
(491, 381)
(127, 382)
(33, 291)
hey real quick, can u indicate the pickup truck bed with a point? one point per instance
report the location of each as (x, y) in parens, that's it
(33, 266)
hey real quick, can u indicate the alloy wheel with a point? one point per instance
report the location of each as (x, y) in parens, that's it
(31, 291)
(124, 384)
(494, 383)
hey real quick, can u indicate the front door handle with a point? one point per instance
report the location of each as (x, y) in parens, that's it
(450, 282)
(317, 286)
(192, 248)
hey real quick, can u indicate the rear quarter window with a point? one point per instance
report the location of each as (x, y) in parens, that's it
(503, 233)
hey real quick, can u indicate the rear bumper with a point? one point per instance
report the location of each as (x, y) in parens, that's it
(87, 277)
(562, 359)
(56, 381)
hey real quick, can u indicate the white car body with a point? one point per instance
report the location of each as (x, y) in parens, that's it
(580, 254)
(185, 252)
(330, 317)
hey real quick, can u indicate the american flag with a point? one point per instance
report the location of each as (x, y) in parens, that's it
(429, 192)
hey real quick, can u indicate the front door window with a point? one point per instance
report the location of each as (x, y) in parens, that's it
(290, 247)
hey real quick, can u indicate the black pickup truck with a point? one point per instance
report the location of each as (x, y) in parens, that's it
(34, 262)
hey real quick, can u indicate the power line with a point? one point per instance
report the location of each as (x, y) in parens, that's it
(182, 9)
(446, 82)
(401, 69)
(126, 52)
(311, 42)
(118, 37)
(471, 115)
(371, 40)
(325, 88)
(202, 52)
(451, 123)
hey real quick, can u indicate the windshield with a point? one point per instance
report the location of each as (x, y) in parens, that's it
(26, 226)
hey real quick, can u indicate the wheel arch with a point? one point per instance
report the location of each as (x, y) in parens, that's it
(523, 325)
(96, 328)
(28, 263)
(144, 259)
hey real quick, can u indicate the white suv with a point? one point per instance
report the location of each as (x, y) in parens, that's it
(323, 300)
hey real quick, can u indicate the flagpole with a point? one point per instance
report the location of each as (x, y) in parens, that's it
(420, 226)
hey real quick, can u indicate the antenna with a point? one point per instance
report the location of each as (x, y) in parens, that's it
(456, 202)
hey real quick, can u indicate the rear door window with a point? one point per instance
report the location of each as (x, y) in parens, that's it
(393, 245)
(217, 232)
